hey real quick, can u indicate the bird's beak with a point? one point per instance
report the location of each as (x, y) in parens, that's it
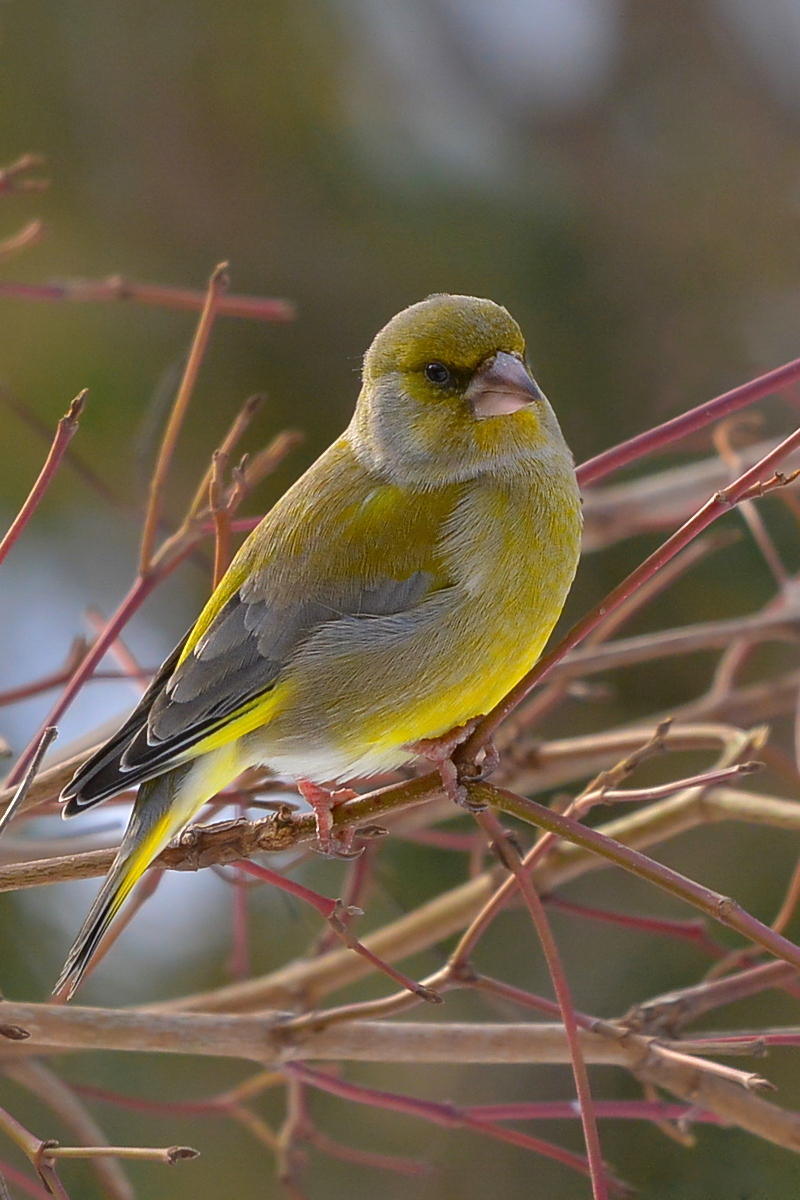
(500, 386)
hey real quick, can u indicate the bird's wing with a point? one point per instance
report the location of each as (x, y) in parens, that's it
(282, 587)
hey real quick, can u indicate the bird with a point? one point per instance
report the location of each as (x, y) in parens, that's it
(397, 591)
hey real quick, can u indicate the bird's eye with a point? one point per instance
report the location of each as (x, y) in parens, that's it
(438, 373)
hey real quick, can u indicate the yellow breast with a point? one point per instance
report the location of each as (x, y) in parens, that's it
(362, 691)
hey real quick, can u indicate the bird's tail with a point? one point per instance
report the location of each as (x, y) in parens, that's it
(163, 807)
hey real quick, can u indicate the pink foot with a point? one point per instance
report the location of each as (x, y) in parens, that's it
(328, 842)
(439, 751)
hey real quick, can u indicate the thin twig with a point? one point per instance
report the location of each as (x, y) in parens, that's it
(334, 913)
(750, 514)
(254, 308)
(162, 1154)
(721, 908)
(447, 1115)
(661, 436)
(62, 1099)
(496, 834)
(239, 426)
(33, 1147)
(14, 177)
(30, 234)
(65, 431)
(49, 735)
(217, 285)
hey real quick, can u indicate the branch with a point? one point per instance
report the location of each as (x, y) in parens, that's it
(18, 799)
(720, 908)
(66, 430)
(254, 308)
(494, 830)
(217, 286)
(264, 1040)
(663, 499)
(773, 624)
(549, 765)
(670, 1012)
(679, 427)
(52, 1091)
(13, 178)
(26, 237)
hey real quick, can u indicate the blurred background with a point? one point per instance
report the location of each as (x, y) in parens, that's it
(625, 177)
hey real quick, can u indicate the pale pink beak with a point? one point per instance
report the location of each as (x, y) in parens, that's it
(501, 386)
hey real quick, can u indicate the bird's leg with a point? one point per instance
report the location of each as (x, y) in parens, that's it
(440, 751)
(488, 764)
(328, 842)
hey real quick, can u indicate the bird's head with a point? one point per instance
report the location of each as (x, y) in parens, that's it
(448, 394)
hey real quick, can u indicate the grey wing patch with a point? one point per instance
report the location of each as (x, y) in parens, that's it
(391, 596)
(244, 651)
(101, 775)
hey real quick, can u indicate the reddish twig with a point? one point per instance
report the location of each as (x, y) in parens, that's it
(694, 931)
(565, 1110)
(240, 955)
(363, 1158)
(450, 1116)
(254, 308)
(26, 237)
(65, 431)
(239, 426)
(750, 514)
(664, 435)
(496, 834)
(608, 795)
(359, 871)
(131, 669)
(671, 1012)
(26, 1185)
(217, 285)
(335, 914)
(138, 593)
(721, 908)
(168, 557)
(465, 976)
(503, 894)
(13, 177)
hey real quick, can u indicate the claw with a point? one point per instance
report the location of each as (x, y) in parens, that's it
(329, 842)
(439, 748)
(488, 763)
(439, 751)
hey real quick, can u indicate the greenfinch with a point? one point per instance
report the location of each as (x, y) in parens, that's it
(396, 591)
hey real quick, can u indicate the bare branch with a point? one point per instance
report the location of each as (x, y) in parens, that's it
(264, 1040)
(66, 430)
(217, 286)
(28, 236)
(44, 1083)
(697, 418)
(254, 308)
